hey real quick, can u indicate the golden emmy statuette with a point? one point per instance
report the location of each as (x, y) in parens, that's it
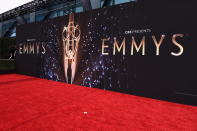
(70, 36)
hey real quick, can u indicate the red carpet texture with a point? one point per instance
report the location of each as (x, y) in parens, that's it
(33, 104)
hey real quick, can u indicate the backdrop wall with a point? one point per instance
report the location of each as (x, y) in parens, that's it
(146, 49)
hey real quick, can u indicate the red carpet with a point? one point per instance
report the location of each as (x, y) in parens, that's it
(32, 104)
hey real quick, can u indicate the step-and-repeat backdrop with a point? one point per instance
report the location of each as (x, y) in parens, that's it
(137, 48)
